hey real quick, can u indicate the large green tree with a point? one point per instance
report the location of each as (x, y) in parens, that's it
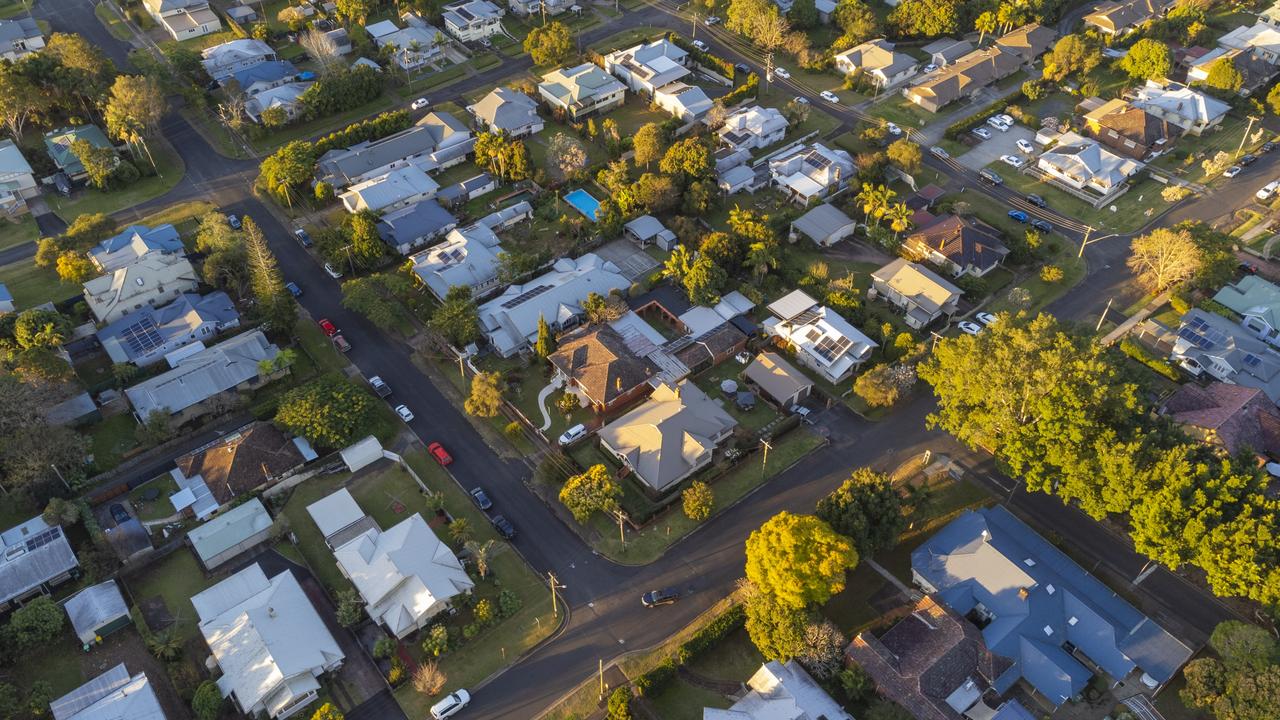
(275, 304)
(799, 559)
(456, 318)
(1224, 75)
(775, 628)
(329, 412)
(1244, 684)
(549, 44)
(590, 492)
(285, 171)
(1147, 59)
(867, 509)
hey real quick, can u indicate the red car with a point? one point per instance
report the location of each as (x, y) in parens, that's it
(438, 452)
(329, 328)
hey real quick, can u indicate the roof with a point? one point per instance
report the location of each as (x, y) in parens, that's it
(1088, 161)
(820, 333)
(200, 376)
(1180, 104)
(811, 168)
(151, 276)
(1261, 37)
(822, 222)
(113, 695)
(776, 377)
(963, 241)
(228, 529)
(269, 71)
(506, 109)
(579, 84)
(5, 295)
(219, 59)
(781, 691)
(599, 361)
(139, 334)
(404, 573)
(1116, 16)
(468, 256)
(409, 224)
(950, 49)
(34, 553)
(747, 125)
(877, 55)
(362, 453)
(94, 607)
(967, 75)
(463, 14)
(242, 461)
(192, 493)
(58, 144)
(1214, 341)
(1028, 41)
(1235, 416)
(1131, 123)
(645, 227)
(1253, 296)
(12, 161)
(922, 285)
(392, 187)
(665, 437)
(284, 96)
(132, 243)
(335, 512)
(434, 131)
(264, 634)
(14, 31)
(1040, 599)
(655, 63)
(688, 100)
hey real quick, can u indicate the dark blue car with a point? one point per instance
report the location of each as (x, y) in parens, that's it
(293, 289)
(1018, 215)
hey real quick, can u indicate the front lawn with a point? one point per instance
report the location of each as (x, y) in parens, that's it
(903, 112)
(1134, 209)
(16, 231)
(1186, 159)
(1043, 293)
(169, 168)
(322, 125)
(112, 439)
(31, 285)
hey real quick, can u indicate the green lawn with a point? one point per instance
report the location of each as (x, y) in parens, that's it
(168, 165)
(626, 38)
(184, 215)
(1043, 293)
(949, 498)
(317, 347)
(321, 126)
(733, 659)
(159, 508)
(112, 22)
(1186, 159)
(755, 418)
(176, 579)
(111, 439)
(849, 609)
(18, 230)
(903, 112)
(635, 113)
(1133, 209)
(56, 662)
(33, 285)
(681, 701)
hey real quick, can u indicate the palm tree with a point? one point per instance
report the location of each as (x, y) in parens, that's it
(985, 23)
(899, 216)
(870, 198)
(460, 530)
(763, 257)
(480, 554)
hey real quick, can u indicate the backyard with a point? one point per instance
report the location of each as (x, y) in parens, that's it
(31, 285)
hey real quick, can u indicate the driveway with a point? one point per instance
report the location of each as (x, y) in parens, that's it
(127, 538)
(1001, 143)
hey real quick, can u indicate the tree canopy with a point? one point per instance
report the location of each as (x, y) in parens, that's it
(329, 412)
(799, 559)
(867, 509)
(590, 492)
(1147, 59)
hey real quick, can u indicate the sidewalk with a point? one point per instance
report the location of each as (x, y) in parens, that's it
(1123, 328)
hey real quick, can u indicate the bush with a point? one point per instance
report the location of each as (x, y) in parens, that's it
(1051, 274)
(508, 603)
(384, 648)
(206, 704)
(620, 704)
(484, 612)
(470, 630)
(436, 642)
(746, 90)
(1142, 355)
(724, 67)
(396, 674)
(652, 682)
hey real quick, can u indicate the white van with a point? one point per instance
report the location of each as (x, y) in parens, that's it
(451, 705)
(573, 434)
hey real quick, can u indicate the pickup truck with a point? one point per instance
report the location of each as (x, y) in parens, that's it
(379, 386)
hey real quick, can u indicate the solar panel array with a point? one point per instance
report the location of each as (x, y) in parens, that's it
(525, 296)
(1199, 333)
(43, 538)
(142, 336)
(806, 317)
(831, 348)
(1252, 360)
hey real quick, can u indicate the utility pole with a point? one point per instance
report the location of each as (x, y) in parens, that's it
(694, 32)
(768, 68)
(554, 583)
(601, 661)
(1252, 120)
(59, 472)
(764, 462)
(1104, 314)
(621, 515)
(1084, 243)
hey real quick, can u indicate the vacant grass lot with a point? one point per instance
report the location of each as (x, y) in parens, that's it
(31, 285)
(111, 439)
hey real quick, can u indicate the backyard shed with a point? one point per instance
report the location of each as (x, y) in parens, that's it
(97, 611)
(778, 379)
(363, 453)
(231, 533)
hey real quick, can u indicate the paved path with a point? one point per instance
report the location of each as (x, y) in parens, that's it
(543, 394)
(1123, 328)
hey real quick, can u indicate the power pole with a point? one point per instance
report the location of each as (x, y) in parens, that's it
(1084, 243)
(1252, 120)
(59, 472)
(694, 32)
(768, 69)
(764, 462)
(621, 515)
(1104, 314)
(601, 661)
(554, 583)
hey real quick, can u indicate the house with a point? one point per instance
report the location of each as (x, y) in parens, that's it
(113, 695)
(945, 51)
(878, 62)
(405, 574)
(598, 365)
(508, 111)
(707, 335)
(752, 127)
(17, 180)
(510, 321)
(917, 291)
(36, 559)
(1191, 110)
(649, 66)
(146, 336)
(648, 229)
(413, 46)
(1236, 417)
(781, 691)
(153, 279)
(1209, 343)
(824, 7)
(812, 171)
(341, 42)
(964, 246)
(6, 300)
(268, 640)
(744, 178)
(193, 498)
(415, 225)
(821, 339)
(437, 141)
(1261, 41)
(19, 37)
(254, 456)
(242, 14)
(184, 19)
(778, 380)
(1257, 301)
(58, 144)
(400, 187)
(132, 243)
(467, 190)
(97, 611)
(825, 225)
(935, 665)
(1128, 130)
(581, 91)
(287, 97)
(1121, 18)
(225, 60)
(198, 382)
(1040, 611)
(1271, 15)
(263, 76)
(964, 78)
(473, 20)
(468, 256)
(1255, 69)
(337, 515)
(670, 436)
(1028, 42)
(686, 102)
(1086, 165)
(533, 7)
(230, 534)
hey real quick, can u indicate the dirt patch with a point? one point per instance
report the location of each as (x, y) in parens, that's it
(156, 613)
(128, 648)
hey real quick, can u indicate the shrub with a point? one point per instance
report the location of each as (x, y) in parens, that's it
(484, 612)
(206, 704)
(470, 630)
(384, 648)
(1142, 355)
(395, 675)
(746, 90)
(620, 704)
(436, 642)
(1051, 274)
(429, 679)
(508, 603)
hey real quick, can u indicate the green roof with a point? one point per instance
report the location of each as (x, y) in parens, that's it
(58, 144)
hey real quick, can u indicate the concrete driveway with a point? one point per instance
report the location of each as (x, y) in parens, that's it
(1001, 143)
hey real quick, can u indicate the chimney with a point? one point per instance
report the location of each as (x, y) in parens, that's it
(1022, 593)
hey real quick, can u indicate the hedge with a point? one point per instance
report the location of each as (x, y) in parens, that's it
(702, 640)
(1142, 355)
(388, 123)
(724, 66)
(743, 91)
(960, 127)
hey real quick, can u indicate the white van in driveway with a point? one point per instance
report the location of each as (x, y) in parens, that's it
(451, 705)
(572, 435)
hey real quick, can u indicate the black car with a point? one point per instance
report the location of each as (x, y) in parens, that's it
(654, 598)
(1041, 225)
(118, 513)
(503, 526)
(1267, 147)
(1247, 268)
(482, 501)
(1247, 160)
(1037, 200)
(303, 237)
(742, 68)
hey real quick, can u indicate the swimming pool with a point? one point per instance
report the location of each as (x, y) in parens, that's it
(582, 201)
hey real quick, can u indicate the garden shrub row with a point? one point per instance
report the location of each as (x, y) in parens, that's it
(387, 123)
(746, 90)
(714, 61)
(1144, 356)
(653, 681)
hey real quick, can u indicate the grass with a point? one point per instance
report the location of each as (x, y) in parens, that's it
(33, 285)
(56, 662)
(112, 439)
(902, 111)
(733, 659)
(170, 170)
(184, 215)
(316, 345)
(635, 113)
(1198, 148)
(755, 418)
(24, 230)
(627, 38)
(949, 498)
(321, 126)
(849, 609)
(1133, 209)
(1043, 293)
(159, 508)
(681, 701)
(176, 579)
(113, 23)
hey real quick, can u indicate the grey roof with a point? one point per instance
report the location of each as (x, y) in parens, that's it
(70, 410)
(139, 334)
(410, 224)
(950, 48)
(645, 227)
(781, 691)
(12, 160)
(1240, 357)
(13, 32)
(468, 256)
(776, 377)
(113, 695)
(822, 222)
(95, 607)
(343, 165)
(34, 553)
(1041, 599)
(229, 529)
(132, 243)
(201, 376)
(506, 109)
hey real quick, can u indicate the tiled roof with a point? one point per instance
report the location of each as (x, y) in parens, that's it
(242, 461)
(1235, 416)
(963, 241)
(598, 359)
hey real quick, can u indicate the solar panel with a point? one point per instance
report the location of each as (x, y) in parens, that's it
(525, 296)
(1252, 360)
(43, 538)
(805, 317)
(142, 337)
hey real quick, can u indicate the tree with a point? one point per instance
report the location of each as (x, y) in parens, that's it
(689, 158)
(456, 317)
(61, 512)
(364, 295)
(155, 429)
(1245, 646)
(36, 623)
(905, 154)
(480, 554)
(207, 701)
(20, 99)
(505, 157)
(460, 531)
(567, 403)
(867, 509)
(366, 246)
(134, 110)
(1072, 55)
(1164, 258)
(857, 21)
(274, 117)
(702, 281)
(823, 653)
(599, 309)
(566, 154)
(40, 328)
(215, 234)
(763, 257)
(619, 707)
(545, 344)
(74, 268)
(327, 712)
(275, 304)
(592, 491)
(436, 642)
(649, 144)
(657, 194)
(1273, 98)
(698, 500)
(1147, 59)
(1244, 684)
(286, 169)
(775, 628)
(985, 23)
(99, 162)
(1051, 274)
(350, 608)
(330, 412)
(429, 679)
(30, 447)
(803, 14)
(88, 229)
(486, 395)
(799, 559)
(1224, 75)
(355, 12)
(549, 44)
(322, 49)
(926, 18)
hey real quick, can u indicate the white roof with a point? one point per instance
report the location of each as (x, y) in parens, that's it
(93, 607)
(381, 29)
(283, 96)
(11, 159)
(34, 553)
(362, 453)
(404, 574)
(229, 529)
(820, 333)
(193, 493)
(393, 187)
(113, 695)
(781, 692)
(754, 121)
(656, 63)
(1175, 101)
(733, 304)
(1262, 37)
(264, 633)
(468, 256)
(334, 512)
(1082, 157)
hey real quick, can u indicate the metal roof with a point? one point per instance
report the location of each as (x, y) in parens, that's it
(113, 695)
(34, 553)
(229, 529)
(94, 607)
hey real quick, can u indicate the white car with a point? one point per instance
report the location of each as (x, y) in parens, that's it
(1232, 171)
(714, 19)
(982, 132)
(985, 318)
(969, 328)
(782, 73)
(572, 434)
(998, 124)
(1268, 190)
(800, 100)
(700, 45)
(451, 705)
(894, 130)
(1012, 161)
(1006, 119)
(830, 97)
(332, 271)
(930, 68)
(405, 413)
(1026, 147)
(419, 104)
(939, 152)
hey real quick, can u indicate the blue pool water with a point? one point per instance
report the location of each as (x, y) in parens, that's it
(582, 201)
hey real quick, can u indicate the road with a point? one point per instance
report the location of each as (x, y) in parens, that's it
(606, 617)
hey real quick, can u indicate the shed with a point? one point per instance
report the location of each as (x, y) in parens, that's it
(242, 14)
(231, 533)
(647, 229)
(778, 379)
(825, 225)
(340, 518)
(361, 454)
(97, 611)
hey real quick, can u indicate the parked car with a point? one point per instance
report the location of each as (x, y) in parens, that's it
(303, 237)
(482, 500)
(654, 598)
(713, 20)
(1006, 119)
(985, 318)
(1247, 268)
(830, 97)
(331, 271)
(568, 437)
(451, 705)
(1248, 160)
(380, 386)
(1025, 146)
(1267, 147)
(997, 123)
(405, 413)
(969, 328)
(700, 45)
(1036, 200)
(982, 132)
(1018, 215)
(930, 68)
(938, 151)
(1267, 190)
(293, 289)
(1232, 171)
(990, 176)
(1041, 225)
(800, 100)
(328, 327)
(1012, 161)
(742, 68)
(234, 222)
(441, 455)
(118, 513)
(894, 130)
(341, 343)
(503, 526)
(782, 73)
(419, 104)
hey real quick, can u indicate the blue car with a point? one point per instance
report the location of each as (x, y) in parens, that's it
(293, 289)
(1018, 215)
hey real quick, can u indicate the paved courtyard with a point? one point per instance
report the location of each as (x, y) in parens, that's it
(631, 260)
